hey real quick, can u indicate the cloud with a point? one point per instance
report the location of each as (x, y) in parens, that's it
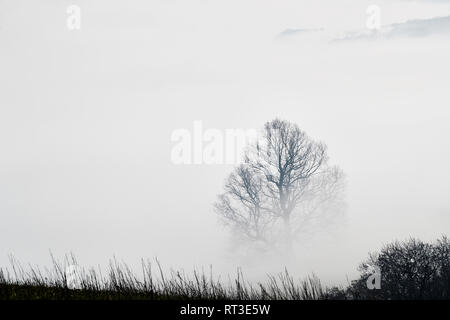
(296, 32)
(411, 28)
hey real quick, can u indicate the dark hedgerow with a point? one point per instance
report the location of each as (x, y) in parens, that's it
(411, 269)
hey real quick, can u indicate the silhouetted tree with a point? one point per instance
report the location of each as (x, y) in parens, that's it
(284, 182)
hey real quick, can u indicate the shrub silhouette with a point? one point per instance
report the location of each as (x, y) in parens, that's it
(409, 270)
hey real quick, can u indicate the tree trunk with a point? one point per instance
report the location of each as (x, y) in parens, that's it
(287, 234)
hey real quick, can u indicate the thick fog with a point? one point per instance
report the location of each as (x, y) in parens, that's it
(87, 117)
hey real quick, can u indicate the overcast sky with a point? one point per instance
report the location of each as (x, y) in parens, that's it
(86, 118)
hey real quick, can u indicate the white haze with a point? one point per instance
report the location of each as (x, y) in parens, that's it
(86, 119)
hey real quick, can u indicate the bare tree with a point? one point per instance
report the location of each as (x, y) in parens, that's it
(284, 182)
